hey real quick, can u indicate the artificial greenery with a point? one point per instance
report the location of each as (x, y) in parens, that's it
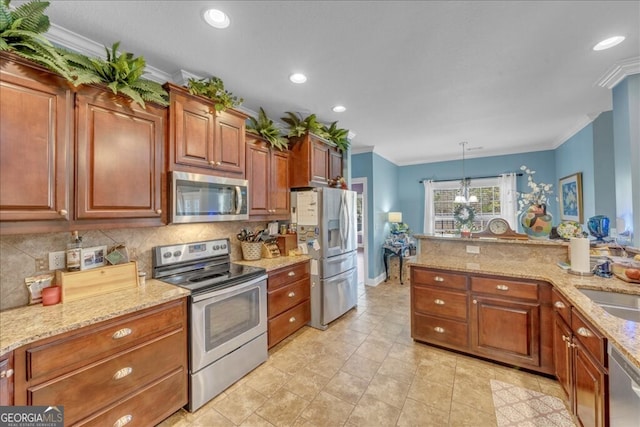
(464, 215)
(266, 128)
(122, 73)
(299, 126)
(21, 32)
(337, 136)
(213, 88)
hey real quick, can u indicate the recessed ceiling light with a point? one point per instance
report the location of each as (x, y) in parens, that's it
(298, 78)
(610, 42)
(339, 109)
(216, 18)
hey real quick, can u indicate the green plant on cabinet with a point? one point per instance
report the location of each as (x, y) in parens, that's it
(213, 88)
(266, 128)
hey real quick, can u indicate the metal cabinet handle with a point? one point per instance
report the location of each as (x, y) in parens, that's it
(121, 373)
(7, 373)
(123, 421)
(291, 274)
(439, 301)
(559, 304)
(121, 333)
(571, 345)
(566, 338)
(159, 211)
(63, 212)
(292, 319)
(438, 279)
(212, 163)
(475, 301)
(291, 294)
(439, 330)
(502, 287)
(218, 163)
(584, 332)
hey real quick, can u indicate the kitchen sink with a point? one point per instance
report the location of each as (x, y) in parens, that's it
(624, 306)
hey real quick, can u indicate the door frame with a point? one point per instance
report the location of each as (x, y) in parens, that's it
(365, 240)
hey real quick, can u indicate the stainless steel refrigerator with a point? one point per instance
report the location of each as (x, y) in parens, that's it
(326, 225)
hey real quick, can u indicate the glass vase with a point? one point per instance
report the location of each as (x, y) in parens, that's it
(537, 222)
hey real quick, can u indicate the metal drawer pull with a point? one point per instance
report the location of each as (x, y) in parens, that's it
(439, 302)
(6, 374)
(292, 319)
(475, 301)
(438, 279)
(121, 373)
(121, 333)
(292, 273)
(123, 421)
(584, 332)
(291, 294)
(502, 287)
(559, 304)
(439, 330)
(63, 212)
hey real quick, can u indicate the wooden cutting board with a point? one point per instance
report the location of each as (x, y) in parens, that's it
(83, 284)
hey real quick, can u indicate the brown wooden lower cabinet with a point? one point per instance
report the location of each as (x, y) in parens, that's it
(111, 372)
(6, 379)
(503, 319)
(288, 303)
(580, 361)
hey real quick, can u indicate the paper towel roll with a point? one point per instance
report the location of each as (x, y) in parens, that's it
(580, 262)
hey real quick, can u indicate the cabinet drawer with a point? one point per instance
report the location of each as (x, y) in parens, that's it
(288, 275)
(88, 389)
(589, 336)
(420, 276)
(142, 409)
(504, 288)
(439, 302)
(287, 296)
(440, 331)
(95, 342)
(288, 322)
(561, 306)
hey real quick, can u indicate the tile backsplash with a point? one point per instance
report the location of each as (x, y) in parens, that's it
(18, 253)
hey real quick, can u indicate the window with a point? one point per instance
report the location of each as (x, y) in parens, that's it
(440, 203)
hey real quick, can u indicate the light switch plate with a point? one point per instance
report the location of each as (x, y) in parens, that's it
(57, 260)
(473, 249)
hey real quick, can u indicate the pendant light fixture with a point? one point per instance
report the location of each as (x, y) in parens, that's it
(463, 194)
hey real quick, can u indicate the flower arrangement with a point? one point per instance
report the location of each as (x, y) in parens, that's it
(464, 215)
(540, 193)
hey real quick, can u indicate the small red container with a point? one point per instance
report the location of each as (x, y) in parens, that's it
(51, 295)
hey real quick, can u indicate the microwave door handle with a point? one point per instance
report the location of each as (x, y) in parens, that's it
(238, 199)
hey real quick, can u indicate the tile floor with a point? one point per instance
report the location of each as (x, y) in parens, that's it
(365, 370)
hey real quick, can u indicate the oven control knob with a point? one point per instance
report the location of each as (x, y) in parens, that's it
(223, 246)
(166, 255)
(177, 254)
(216, 247)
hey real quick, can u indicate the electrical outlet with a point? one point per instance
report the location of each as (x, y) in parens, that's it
(473, 249)
(57, 260)
(41, 264)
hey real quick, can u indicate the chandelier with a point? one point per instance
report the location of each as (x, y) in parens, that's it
(463, 193)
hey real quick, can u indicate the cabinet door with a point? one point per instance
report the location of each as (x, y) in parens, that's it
(319, 162)
(562, 354)
(280, 193)
(258, 175)
(506, 330)
(119, 157)
(192, 132)
(36, 133)
(6, 380)
(335, 163)
(590, 383)
(229, 143)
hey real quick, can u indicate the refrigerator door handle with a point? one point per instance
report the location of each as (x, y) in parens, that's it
(344, 221)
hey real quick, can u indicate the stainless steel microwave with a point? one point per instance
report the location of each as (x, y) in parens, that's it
(205, 198)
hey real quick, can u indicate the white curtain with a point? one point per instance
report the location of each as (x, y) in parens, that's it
(509, 199)
(429, 213)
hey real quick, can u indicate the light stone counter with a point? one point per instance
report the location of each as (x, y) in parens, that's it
(24, 325)
(508, 260)
(271, 264)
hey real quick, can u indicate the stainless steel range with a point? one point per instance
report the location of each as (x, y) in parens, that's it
(227, 314)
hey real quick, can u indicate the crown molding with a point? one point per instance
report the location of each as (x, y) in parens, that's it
(77, 43)
(619, 71)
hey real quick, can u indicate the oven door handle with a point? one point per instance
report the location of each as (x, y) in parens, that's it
(227, 291)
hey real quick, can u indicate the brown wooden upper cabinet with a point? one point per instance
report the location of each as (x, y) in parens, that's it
(202, 140)
(313, 161)
(36, 134)
(268, 176)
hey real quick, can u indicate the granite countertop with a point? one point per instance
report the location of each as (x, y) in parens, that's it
(24, 325)
(271, 264)
(625, 335)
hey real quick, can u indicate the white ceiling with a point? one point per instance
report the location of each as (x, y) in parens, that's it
(417, 77)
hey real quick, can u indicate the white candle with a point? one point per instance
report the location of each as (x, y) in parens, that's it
(580, 255)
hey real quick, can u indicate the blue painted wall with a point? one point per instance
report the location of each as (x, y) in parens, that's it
(604, 178)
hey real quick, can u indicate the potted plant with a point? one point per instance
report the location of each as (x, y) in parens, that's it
(266, 128)
(337, 136)
(122, 73)
(299, 126)
(213, 88)
(21, 32)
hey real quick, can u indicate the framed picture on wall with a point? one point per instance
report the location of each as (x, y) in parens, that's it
(570, 192)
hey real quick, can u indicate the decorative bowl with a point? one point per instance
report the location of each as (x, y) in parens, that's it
(569, 229)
